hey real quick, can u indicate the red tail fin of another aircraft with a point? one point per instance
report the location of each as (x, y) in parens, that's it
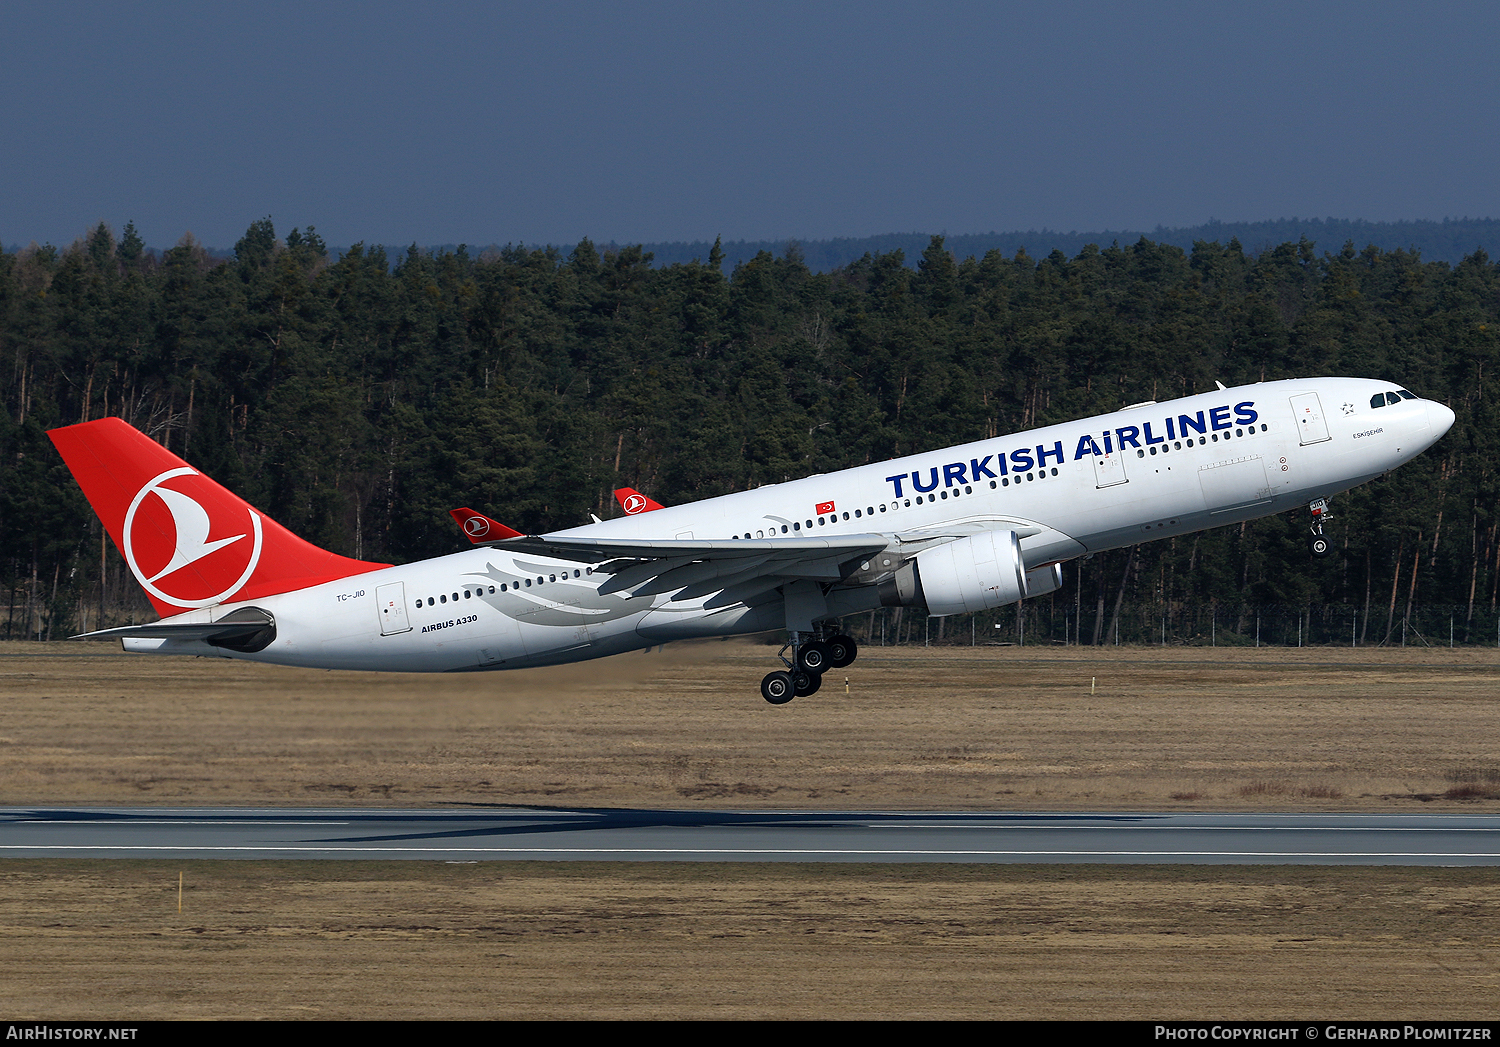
(634, 503)
(481, 529)
(188, 541)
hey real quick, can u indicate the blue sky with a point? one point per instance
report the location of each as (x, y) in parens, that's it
(499, 122)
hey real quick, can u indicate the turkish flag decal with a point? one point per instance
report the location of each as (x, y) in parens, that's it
(824, 507)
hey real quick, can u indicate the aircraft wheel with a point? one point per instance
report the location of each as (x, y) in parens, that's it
(1320, 545)
(777, 688)
(814, 656)
(842, 651)
(805, 683)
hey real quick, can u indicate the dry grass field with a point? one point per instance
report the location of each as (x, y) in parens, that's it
(596, 940)
(957, 727)
(952, 728)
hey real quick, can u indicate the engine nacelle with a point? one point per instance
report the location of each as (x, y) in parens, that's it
(972, 574)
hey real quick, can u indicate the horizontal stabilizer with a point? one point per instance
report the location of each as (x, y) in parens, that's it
(248, 629)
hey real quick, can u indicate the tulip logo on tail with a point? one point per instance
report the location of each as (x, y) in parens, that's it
(634, 504)
(476, 527)
(158, 551)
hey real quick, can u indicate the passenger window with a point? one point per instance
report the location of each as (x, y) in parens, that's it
(846, 515)
(443, 599)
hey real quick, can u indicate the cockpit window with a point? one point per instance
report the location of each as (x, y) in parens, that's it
(1392, 398)
(1406, 395)
(1378, 400)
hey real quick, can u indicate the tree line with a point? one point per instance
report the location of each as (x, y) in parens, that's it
(356, 399)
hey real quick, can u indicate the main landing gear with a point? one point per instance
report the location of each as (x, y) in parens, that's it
(1318, 544)
(803, 675)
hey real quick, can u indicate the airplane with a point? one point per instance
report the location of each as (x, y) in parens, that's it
(956, 530)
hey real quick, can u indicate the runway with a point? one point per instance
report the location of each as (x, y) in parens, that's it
(581, 834)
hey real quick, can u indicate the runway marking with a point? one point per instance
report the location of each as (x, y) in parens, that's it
(742, 850)
(126, 823)
(1204, 828)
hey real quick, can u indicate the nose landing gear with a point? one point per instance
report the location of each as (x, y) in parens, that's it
(811, 657)
(1318, 543)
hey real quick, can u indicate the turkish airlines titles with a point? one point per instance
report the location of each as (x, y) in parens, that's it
(1022, 460)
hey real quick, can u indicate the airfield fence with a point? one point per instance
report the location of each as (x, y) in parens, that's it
(1244, 625)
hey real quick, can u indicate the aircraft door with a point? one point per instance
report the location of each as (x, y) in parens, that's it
(391, 599)
(1312, 427)
(1109, 469)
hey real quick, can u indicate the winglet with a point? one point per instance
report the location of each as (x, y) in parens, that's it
(634, 503)
(480, 529)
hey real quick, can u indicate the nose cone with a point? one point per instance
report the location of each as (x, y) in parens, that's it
(1440, 418)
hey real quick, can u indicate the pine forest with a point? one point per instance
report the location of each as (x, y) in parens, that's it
(358, 398)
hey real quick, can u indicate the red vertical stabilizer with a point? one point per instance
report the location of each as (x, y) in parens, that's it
(189, 542)
(635, 503)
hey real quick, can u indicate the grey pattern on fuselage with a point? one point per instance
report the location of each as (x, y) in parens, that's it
(576, 601)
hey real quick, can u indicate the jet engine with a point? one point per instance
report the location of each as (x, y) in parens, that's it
(971, 574)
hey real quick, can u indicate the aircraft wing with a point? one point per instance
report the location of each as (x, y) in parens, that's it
(691, 569)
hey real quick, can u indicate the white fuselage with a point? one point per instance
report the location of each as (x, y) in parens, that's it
(1150, 471)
